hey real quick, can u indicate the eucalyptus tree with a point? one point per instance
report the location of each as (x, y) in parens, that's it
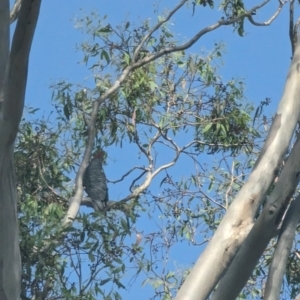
(13, 74)
(147, 91)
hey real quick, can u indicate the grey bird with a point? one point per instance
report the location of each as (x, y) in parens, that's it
(94, 181)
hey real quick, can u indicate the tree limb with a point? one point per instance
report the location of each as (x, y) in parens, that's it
(126, 174)
(239, 218)
(4, 50)
(267, 23)
(263, 230)
(291, 27)
(14, 13)
(19, 59)
(283, 248)
(13, 77)
(156, 27)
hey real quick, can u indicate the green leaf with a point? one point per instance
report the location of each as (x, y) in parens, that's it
(105, 55)
(104, 281)
(91, 257)
(82, 236)
(67, 111)
(207, 127)
(124, 224)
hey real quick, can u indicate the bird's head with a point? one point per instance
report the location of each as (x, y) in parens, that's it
(99, 155)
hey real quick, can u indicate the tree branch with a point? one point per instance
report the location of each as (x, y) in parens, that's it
(267, 23)
(283, 248)
(156, 27)
(291, 27)
(263, 230)
(196, 37)
(14, 13)
(19, 59)
(4, 50)
(126, 174)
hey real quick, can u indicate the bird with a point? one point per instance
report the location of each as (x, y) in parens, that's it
(94, 182)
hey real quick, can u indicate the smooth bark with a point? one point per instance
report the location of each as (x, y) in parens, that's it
(238, 221)
(262, 232)
(13, 77)
(283, 249)
(297, 297)
(4, 47)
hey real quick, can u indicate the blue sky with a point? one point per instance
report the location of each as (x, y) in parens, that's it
(261, 58)
(55, 41)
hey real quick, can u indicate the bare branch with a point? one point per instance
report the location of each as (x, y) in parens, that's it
(171, 163)
(296, 34)
(219, 144)
(291, 27)
(88, 202)
(126, 174)
(19, 59)
(267, 23)
(283, 248)
(146, 152)
(136, 179)
(156, 27)
(155, 138)
(212, 200)
(230, 185)
(196, 37)
(14, 13)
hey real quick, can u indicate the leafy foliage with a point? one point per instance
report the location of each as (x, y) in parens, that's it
(171, 109)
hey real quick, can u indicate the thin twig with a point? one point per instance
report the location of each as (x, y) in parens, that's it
(126, 174)
(136, 179)
(156, 27)
(267, 23)
(212, 200)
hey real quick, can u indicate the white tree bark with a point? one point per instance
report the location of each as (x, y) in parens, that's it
(283, 248)
(298, 297)
(239, 219)
(13, 77)
(266, 225)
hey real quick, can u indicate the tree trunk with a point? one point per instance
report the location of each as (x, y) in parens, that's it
(283, 249)
(13, 78)
(239, 219)
(264, 229)
(10, 261)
